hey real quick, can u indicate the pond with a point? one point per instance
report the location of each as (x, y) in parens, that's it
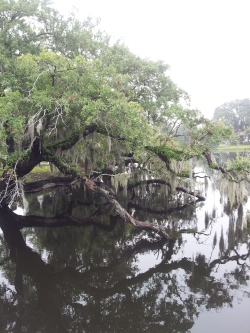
(68, 264)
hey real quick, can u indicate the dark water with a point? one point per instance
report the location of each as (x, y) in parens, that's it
(81, 269)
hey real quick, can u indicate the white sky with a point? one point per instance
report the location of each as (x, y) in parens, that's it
(206, 43)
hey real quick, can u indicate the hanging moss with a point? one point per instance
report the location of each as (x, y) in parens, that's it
(173, 182)
(234, 192)
(31, 129)
(191, 173)
(39, 126)
(109, 143)
(121, 179)
(24, 200)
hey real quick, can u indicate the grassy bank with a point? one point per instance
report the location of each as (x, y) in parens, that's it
(38, 173)
(234, 148)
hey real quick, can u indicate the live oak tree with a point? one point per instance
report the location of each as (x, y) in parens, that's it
(69, 97)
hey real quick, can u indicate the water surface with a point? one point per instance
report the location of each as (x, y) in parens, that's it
(81, 269)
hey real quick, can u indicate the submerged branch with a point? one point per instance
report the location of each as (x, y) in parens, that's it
(61, 220)
(122, 212)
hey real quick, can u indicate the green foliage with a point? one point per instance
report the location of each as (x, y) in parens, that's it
(169, 153)
(212, 165)
(239, 164)
(74, 93)
(39, 170)
(28, 179)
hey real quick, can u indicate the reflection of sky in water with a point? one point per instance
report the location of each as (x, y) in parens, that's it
(20, 211)
(147, 261)
(226, 320)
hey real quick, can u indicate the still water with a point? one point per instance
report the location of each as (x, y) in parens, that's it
(68, 264)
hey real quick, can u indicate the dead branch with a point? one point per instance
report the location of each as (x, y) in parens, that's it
(122, 212)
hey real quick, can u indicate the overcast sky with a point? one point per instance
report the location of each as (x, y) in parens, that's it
(206, 43)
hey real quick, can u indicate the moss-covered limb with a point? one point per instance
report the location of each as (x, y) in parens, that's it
(212, 165)
(23, 162)
(81, 132)
(165, 153)
(122, 212)
(72, 139)
(62, 165)
(225, 171)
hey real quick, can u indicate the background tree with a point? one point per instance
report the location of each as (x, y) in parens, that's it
(237, 114)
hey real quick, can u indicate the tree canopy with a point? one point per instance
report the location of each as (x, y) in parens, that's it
(70, 97)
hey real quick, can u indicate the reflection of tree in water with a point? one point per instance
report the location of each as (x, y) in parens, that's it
(88, 278)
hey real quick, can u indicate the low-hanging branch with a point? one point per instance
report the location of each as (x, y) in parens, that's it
(212, 165)
(108, 195)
